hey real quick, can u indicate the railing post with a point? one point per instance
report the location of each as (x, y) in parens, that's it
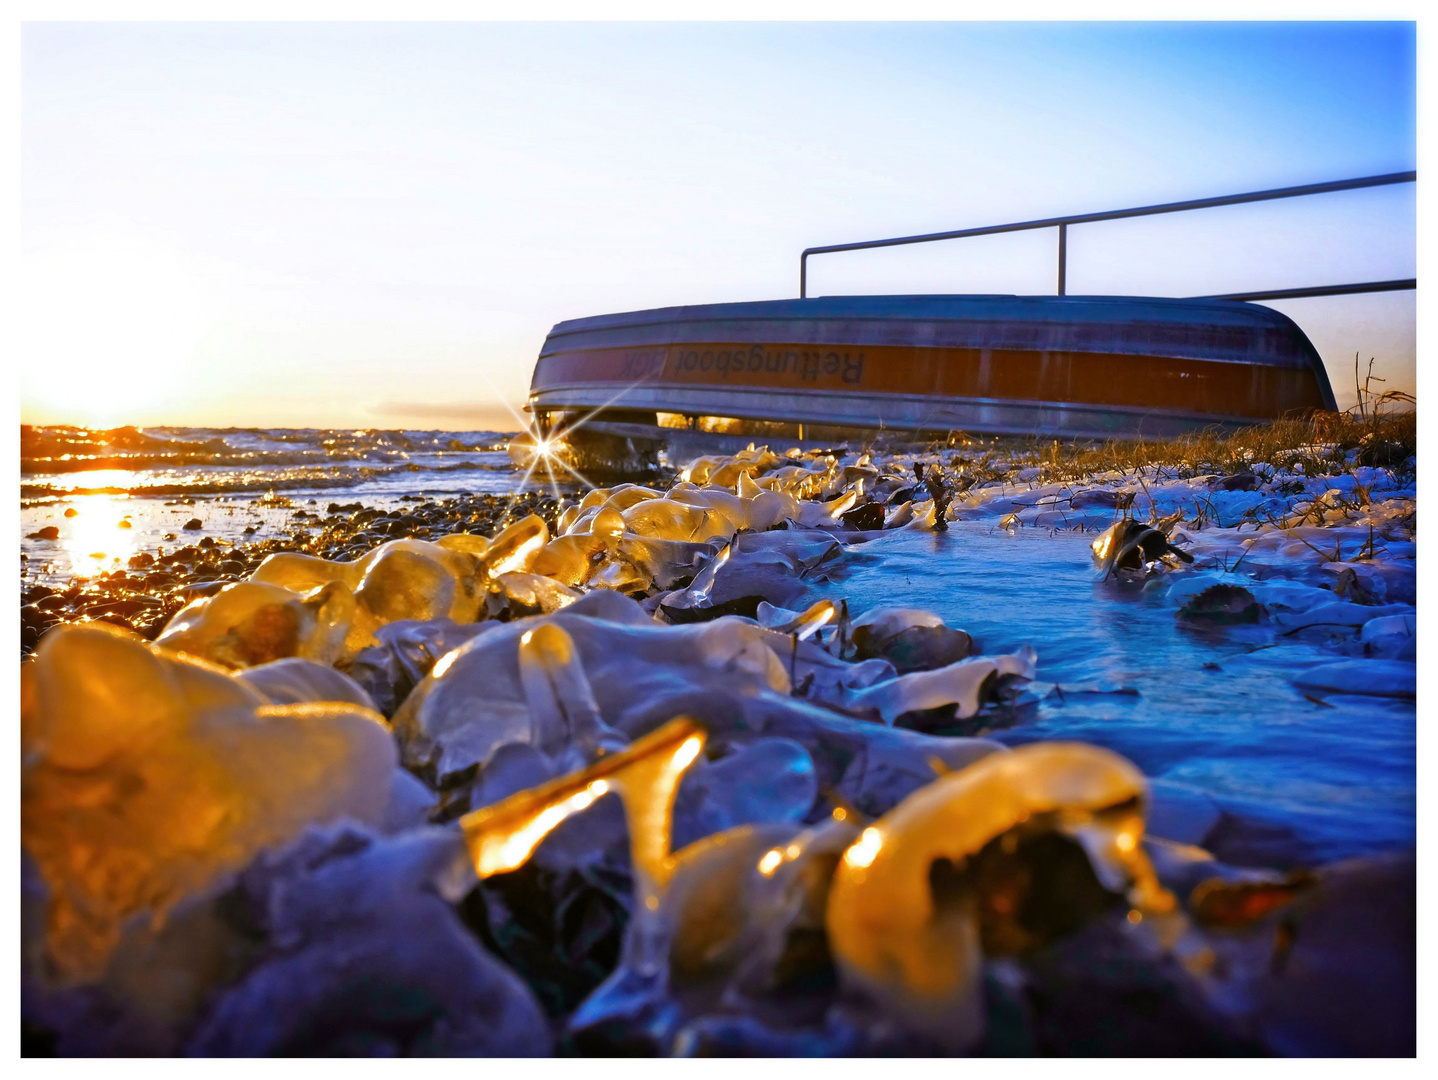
(1063, 256)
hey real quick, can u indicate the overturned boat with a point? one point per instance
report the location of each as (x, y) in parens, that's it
(618, 389)
(614, 393)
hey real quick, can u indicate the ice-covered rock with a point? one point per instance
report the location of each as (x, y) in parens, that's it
(365, 957)
(148, 776)
(1391, 636)
(908, 919)
(1338, 613)
(1375, 678)
(911, 640)
(249, 623)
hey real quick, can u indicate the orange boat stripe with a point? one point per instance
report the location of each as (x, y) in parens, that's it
(1154, 382)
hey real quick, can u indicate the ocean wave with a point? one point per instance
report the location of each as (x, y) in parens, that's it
(62, 449)
(200, 484)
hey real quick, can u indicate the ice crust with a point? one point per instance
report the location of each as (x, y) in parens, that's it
(246, 754)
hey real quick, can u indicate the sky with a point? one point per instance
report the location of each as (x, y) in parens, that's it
(376, 224)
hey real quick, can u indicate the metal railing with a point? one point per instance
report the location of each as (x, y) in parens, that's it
(1062, 223)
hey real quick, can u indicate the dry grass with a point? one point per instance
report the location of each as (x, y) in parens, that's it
(1317, 444)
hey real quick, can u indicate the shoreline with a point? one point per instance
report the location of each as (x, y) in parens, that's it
(153, 585)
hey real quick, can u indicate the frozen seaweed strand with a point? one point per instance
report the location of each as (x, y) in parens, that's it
(725, 470)
(646, 778)
(908, 917)
(664, 563)
(770, 780)
(768, 565)
(703, 584)
(765, 508)
(624, 496)
(825, 514)
(465, 543)
(583, 524)
(621, 577)
(401, 582)
(728, 919)
(790, 892)
(400, 579)
(388, 568)
(570, 559)
(810, 621)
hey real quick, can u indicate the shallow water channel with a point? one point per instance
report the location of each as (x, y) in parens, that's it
(1242, 761)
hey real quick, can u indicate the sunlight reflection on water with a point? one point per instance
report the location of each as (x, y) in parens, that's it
(94, 539)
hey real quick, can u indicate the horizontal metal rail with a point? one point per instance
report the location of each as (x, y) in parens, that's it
(1062, 223)
(1396, 285)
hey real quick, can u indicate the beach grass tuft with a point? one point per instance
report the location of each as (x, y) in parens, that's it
(1321, 443)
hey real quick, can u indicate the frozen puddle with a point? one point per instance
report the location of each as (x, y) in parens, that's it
(1314, 777)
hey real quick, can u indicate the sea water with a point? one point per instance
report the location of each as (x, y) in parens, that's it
(231, 479)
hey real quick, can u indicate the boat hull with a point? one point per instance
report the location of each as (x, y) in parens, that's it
(1058, 367)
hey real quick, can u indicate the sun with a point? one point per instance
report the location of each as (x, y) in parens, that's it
(110, 330)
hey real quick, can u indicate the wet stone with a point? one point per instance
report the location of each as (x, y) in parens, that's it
(1222, 605)
(921, 648)
(1243, 480)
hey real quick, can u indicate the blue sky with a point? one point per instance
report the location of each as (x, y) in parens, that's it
(376, 224)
